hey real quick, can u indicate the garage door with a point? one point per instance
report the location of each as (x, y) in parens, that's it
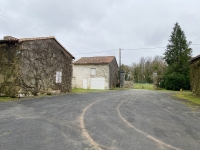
(97, 83)
(84, 83)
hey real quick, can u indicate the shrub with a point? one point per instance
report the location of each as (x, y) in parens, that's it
(176, 82)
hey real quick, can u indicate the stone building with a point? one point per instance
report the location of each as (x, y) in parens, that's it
(34, 65)
(195, 75)
(95, 72)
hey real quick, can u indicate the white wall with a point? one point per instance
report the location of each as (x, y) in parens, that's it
(81, 72)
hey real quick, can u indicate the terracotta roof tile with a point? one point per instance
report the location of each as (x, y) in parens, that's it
(95, 60)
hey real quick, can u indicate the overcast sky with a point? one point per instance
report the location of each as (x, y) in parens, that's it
(88, 26)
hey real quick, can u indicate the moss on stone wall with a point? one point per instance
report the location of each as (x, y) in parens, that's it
(30, 67)
(113, 73)
(9, 69)
(195, 77)
(41, 60)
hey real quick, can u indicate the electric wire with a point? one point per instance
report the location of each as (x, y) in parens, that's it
(40, 31)
(134, 49)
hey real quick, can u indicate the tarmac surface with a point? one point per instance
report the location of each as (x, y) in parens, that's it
(114, 120)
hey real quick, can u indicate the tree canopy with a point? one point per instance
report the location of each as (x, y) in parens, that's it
(177, 55)
(143, 71)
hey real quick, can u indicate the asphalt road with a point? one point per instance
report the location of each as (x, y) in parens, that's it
(115, 120)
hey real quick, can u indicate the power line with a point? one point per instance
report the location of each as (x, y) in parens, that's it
(40, 31)
(96, 52)
(195, 44)
(142, 48)
(135, 49)
(57, 38)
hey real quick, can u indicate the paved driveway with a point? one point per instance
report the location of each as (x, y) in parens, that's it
(115, 120)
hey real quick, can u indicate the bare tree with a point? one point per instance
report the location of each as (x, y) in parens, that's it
(40, 62)
(143, 71)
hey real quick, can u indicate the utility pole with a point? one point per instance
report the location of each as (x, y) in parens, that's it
(121, 73)
(119, 59)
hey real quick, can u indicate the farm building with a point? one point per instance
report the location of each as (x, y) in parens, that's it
(33, 66)
(95, 72)
(195, 75)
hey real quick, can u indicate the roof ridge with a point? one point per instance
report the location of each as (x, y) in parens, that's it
(194, 58)
(97, 56)
(13, 39)
(36, 38)
(95, 60)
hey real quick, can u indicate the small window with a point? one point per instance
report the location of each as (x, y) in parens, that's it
(93, 71)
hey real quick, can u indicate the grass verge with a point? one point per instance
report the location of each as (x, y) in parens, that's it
(79, 90)
(6, 99)
(188, 96)
(76, 90)
(147, 86)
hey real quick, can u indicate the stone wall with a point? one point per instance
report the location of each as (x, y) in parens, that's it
(32, 67)
(9, 69)
(113, 73)
(81, 72)
(42, 62)
(195, 77)
(128, 84)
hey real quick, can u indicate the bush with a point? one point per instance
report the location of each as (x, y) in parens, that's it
(9, 89)
(176, 82)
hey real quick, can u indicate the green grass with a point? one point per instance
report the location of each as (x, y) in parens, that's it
(148, 86)
(76, 90)
(79, 90)
(6, 99)
(188, 96)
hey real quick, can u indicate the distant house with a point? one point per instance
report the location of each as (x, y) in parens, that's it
(95, 72)
(34, 65)
(195, 75)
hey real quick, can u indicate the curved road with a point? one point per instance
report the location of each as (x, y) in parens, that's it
(114, 120)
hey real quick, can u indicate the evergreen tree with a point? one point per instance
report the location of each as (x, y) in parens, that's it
(177, 56)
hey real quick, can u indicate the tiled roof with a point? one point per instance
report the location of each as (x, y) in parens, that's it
(8, 39)
(36, 38)
(94, 60)
(13, 39)
(194, 58)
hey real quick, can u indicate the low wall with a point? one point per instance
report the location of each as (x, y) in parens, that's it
(128, 84)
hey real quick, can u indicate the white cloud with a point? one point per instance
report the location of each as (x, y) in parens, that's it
(94, 26)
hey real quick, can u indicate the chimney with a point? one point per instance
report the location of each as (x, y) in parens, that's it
(9, 38)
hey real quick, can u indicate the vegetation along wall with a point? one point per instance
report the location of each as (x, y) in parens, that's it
(34, 66)
(9, 69)
(45, 67)
(195, 77)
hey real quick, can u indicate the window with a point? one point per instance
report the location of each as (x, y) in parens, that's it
(93, 71)
(58, 76)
